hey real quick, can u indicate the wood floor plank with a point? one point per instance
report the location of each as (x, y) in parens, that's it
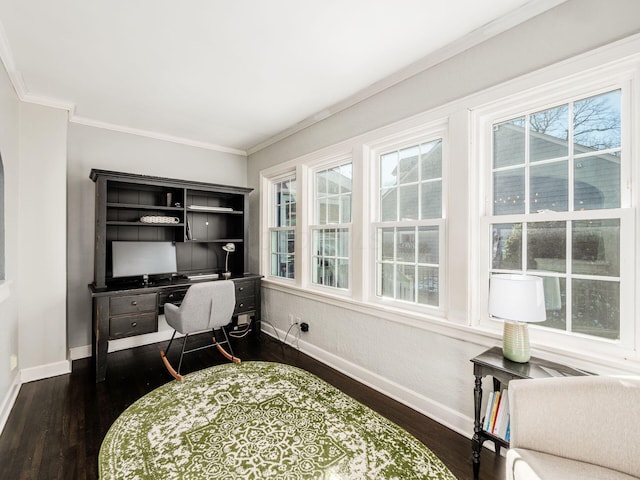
(57, 425)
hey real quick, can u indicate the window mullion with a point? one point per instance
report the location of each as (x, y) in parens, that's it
(569, 278)
(571, 160)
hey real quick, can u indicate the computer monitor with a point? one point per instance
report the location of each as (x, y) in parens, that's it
(143, 258)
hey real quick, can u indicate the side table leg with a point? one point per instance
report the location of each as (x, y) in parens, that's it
(476, 442)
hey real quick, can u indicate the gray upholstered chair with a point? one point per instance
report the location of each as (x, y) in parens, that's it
(206, 306)
(574, 428)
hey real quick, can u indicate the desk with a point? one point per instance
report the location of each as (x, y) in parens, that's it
(127, 310)
(503, 371)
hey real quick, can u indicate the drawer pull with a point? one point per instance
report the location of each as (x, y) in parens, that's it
(241, 289)
(241, 305)
(134, 324)
(134, 303)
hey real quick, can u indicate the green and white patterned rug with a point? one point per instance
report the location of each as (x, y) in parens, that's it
(259, 420)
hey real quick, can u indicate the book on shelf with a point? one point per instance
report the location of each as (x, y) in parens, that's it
(494, 410)
(487, 414)
(502, 417)
(497, 417)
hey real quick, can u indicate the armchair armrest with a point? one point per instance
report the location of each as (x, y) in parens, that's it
(591, 419)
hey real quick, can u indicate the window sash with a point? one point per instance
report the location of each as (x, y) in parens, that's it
(282, 231)
(572, 212)
(572, 271)
(330, 256)
(410, 203)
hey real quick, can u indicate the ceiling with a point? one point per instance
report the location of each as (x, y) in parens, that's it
(231, 75)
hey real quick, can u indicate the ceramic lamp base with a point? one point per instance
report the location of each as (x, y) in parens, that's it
(226, 275)
(515, 339)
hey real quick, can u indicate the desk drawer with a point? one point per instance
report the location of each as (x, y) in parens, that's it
(245, 304)
(129, 325)
(146, 302)
(245, 289)
(174, 296)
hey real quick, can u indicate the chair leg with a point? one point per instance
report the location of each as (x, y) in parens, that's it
(166, 362)
(231, 357)
(184, 344)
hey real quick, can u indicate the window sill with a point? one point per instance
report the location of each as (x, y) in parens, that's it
(4, 290)
(422, 321)
(481, 335)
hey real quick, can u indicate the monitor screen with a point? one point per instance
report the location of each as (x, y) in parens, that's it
(143, 258)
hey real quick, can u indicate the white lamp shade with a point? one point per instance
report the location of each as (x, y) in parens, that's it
(518, 298)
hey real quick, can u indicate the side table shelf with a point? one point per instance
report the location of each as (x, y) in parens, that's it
(502, 370)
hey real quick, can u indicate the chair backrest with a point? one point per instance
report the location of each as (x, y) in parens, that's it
(207, 305)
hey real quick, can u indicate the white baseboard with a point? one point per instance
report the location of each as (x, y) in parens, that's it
(45, 371)
(76, 353)
(442, 414)
(9, 401)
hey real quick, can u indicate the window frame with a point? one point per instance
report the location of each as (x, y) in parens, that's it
(313, 225)
(580, 86)
(432, 132)
(272, 228)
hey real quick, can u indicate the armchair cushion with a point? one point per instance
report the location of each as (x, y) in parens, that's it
(530, 465)
(591, 419)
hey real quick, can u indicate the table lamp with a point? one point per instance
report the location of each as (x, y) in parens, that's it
(517, 300)
(229, 248)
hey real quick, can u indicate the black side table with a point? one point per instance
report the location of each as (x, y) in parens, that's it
(503, 371)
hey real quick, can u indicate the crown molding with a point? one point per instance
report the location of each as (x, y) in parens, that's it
(155, 135)
(476, 37)
(23, 94)
(491, 29)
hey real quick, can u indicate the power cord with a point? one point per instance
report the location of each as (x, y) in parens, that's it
(284, 342)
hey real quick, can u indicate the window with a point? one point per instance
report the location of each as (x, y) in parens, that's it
(282, 231)
(557, 209)
(410, 227)
(331, 230)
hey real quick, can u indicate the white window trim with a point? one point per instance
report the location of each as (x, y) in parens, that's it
(320, 164)
(267, 222)
(434, 130)
(623, 75)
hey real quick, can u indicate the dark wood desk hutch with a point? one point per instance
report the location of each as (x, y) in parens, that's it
(198, 218)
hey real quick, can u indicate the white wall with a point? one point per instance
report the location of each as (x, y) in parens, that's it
(9, 322)
(43, 241)
(91, 147)
(429, 368)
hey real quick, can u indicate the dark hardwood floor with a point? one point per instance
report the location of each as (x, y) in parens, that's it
(57, 425)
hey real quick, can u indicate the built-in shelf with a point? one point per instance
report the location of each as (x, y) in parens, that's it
(135, 206)
(144, 224)
(209, 216)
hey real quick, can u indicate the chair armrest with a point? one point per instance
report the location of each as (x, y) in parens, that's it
(173, 317)
(591, 419)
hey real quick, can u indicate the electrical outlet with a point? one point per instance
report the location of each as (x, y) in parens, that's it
(296, 320)
(291, 319)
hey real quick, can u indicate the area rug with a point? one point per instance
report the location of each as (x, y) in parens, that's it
(259, 420)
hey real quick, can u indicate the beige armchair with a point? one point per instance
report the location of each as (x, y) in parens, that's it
(574, 428)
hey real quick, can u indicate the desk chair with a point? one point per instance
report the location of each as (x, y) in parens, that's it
(206, 306)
